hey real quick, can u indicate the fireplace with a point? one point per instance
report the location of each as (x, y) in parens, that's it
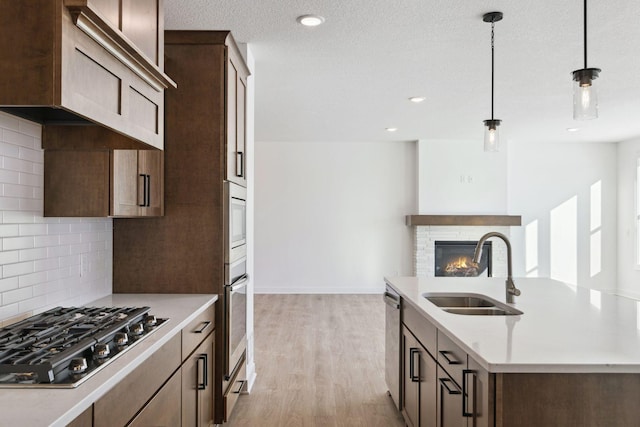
(454, 258)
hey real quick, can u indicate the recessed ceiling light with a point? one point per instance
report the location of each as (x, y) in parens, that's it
(573, 129)
(417, 99)
(310, 20)
(391, 129)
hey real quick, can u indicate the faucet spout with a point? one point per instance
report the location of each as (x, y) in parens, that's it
(510, 287)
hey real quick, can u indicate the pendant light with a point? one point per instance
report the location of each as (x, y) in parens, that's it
(491, 132)
(585, 98)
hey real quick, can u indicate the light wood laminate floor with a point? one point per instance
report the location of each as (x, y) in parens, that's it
(320, 362)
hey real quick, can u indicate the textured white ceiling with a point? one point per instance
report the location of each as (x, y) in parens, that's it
(350, 78)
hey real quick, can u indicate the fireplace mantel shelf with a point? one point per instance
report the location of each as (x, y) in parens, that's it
(465, 220)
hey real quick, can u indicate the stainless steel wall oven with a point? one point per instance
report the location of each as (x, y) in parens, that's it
(235, 276)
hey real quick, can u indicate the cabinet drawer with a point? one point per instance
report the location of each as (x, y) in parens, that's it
(424, 330)
(164, 409)
(235, 388)
(122, 402)
(451, 357)
(197, 330)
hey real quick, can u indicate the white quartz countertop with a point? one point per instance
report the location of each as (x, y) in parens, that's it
(57, 407)
(563, 328)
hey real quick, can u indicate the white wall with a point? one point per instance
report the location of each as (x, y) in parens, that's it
(628, 274)
(458, 177)
(568, 232)
(44, 262)
(329, 217)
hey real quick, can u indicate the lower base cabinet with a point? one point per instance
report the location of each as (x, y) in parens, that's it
(441, 385)
(197, 386)
(173, 387)
(419, 382)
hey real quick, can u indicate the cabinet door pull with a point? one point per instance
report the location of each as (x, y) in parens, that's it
(450, 360)
(204, 327)
(240, 164)
(241, 385)
(453, 389)
(148, 191)
(412, 353)
(468, 393)
(144, 190)
(201, 384)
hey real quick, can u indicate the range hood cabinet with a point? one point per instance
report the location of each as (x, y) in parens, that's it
(86, 62)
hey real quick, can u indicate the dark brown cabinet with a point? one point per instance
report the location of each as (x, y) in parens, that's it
(83, 62)
(183, 252)
(101, 183)
(419, 382)
(198, 353)
(442, 385)
(236, 76)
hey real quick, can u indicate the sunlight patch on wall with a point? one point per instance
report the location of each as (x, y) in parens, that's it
(531, 249)
(595, 298)
(595, 253)
(563, 242)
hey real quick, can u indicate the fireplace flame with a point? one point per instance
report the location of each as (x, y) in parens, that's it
(462, 266)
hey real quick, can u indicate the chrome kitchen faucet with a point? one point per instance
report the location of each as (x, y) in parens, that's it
(510, 287)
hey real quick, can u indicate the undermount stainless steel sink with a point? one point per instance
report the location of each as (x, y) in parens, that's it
(470, 304)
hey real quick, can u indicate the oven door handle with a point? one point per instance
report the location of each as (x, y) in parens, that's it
(240, 283)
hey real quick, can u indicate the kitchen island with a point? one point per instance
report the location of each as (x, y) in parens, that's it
(58, 407)
(571, 358)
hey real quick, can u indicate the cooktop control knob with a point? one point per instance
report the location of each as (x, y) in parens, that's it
(150, 321)
(101, 352)
(136, 330)
(78, 366)
(121, 339)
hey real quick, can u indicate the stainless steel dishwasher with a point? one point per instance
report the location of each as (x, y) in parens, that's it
(392, 344)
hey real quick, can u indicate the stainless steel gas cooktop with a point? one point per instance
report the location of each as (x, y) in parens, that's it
(63, 347)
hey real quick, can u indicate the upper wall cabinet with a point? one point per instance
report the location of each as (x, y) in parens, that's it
(86, 62)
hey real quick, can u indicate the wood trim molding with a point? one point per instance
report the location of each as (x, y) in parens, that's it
(91, 22)
(465, 220)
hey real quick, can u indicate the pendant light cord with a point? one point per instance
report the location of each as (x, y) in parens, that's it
(585, 34)
(492, 64)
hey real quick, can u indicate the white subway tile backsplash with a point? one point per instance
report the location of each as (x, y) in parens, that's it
(17, 269)
(9, 204)
(32, 279)
(32, 129)
(9, 284)
(33, 254)
(9, 150)
(31, 179)
(16, 295)
(18, 138)
(40, 257)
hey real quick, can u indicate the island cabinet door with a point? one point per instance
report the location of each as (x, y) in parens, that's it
(478, 396)
(419, 375)
(449, 398)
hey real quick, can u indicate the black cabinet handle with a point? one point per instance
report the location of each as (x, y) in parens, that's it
(204, 327)
(453, 389)
(240, 166)
(412, 353)
(148, 191)
(202, 384)
(468, 393)
(144, 190)
(446, 355)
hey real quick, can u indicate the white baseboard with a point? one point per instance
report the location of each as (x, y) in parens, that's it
(320, 290)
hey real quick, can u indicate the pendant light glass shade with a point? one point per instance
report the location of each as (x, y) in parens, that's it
(491, 135)
(585, 95)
